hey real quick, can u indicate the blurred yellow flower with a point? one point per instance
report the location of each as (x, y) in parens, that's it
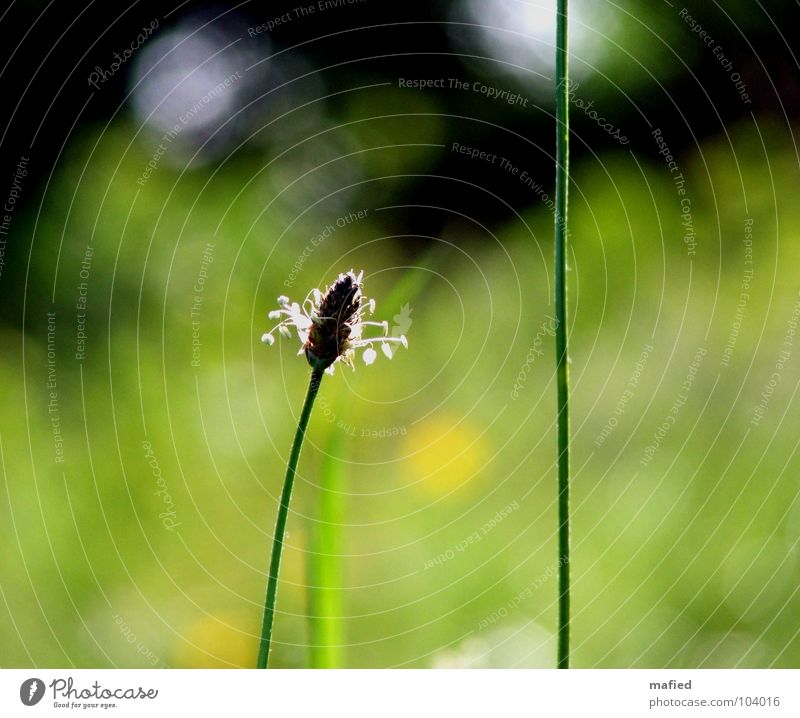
(444, 452)
(223, 641)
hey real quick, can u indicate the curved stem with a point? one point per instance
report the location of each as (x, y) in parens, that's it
(562, 355)
(280, 524)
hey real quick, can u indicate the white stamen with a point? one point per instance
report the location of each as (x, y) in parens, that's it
(369, 356)
(268, 339)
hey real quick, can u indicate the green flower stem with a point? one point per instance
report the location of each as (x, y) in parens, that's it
(562, 355)
(283, 513)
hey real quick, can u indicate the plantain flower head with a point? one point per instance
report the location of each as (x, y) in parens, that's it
(329, 324)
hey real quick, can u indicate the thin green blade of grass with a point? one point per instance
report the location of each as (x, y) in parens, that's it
(325, 565)
(562, 353)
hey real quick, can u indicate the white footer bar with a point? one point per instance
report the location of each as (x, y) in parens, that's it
(400, 693)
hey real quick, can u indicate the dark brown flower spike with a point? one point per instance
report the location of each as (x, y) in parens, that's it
(330, 324)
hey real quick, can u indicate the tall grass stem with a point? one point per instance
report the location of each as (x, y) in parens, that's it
(562, 355)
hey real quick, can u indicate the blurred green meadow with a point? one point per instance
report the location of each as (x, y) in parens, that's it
(156, 524)
(144, 428)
